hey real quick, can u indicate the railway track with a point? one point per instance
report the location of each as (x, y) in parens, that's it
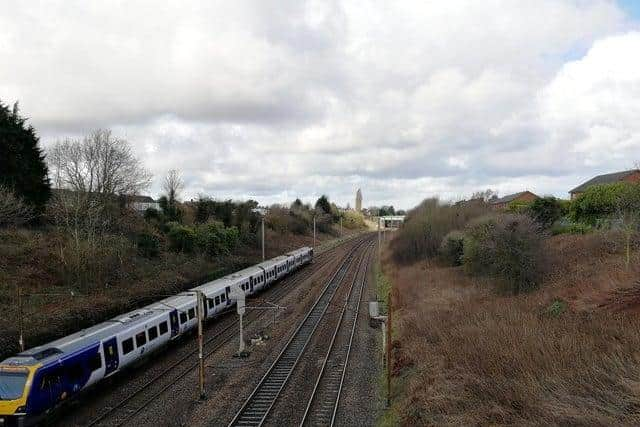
(325, 398)
(257, 407)
(135, 402)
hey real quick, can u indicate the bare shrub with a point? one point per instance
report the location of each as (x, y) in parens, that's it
(13, 210)
(508, 247)
(426, 225)
(452, 248)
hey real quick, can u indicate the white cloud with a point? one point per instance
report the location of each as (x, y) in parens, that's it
(403, 99)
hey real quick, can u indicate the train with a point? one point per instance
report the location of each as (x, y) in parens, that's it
(38, 380)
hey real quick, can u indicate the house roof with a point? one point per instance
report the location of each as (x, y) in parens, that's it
(607, 178)
(508, 198)
(140, 199)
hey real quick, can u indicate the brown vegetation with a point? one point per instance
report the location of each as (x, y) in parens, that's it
(566, 354)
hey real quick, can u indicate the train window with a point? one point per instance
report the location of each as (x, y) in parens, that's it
(217, 300)
(223, 298)
(127, 346)
(164, 328)
(141, 339)
(75, 373)
(183, 317)
(95, 362)
(192, 313)
(210, 302)
(153, 333)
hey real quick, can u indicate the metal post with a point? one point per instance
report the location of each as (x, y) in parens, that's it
(314, 231)
(263, 238)
(389, 349)
(341, 231)
(379, 245)
(20, 326)
(200, 299)
(241, 350)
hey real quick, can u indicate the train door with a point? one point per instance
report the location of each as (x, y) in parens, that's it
(226, 293)
(175, 326)
(250, 284)
(111, 359)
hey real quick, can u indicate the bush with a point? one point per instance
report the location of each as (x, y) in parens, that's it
(571, 228)
(518, 207)
(452, 247)
(426, 225)
(353, 220)
(214, 239)
(148, 245)
(602, 201)
(151, 214)
(181, 238)
(13, 210)
(546, 211)
(508, 247)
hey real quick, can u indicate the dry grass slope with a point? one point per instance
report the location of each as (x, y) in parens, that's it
(468, 356)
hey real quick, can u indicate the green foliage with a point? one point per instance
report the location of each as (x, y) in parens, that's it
(151, 214)
(508, 247)
(148, 245)
(22, 165)
(546, 211)
(323, 204)
(230, 213)
(353, 220)
(214, 238)
(602, 201)
(557, 307)
(518, 207)
(452, 247)
(571, 228)
(170, 209)
(181, 238)
(426, 225)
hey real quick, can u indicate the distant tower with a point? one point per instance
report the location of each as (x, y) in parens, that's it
(358, 200)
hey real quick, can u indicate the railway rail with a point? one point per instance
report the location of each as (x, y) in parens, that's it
(269, 389)
(135, 402)
(325, 398)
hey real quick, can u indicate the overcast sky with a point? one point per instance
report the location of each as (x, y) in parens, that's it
(277, 100)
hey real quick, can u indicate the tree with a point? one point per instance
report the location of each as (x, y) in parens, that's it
(323, 204)
(545, 210)
(100, 165)
(23, 170)
(173, 185)
(485, 195)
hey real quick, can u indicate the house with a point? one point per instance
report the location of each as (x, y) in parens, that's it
(632, 175)
(141, 203)
(503, 202)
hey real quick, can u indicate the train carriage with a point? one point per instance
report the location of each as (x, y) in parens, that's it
(39, 379)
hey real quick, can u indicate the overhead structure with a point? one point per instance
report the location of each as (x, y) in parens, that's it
(390, 221)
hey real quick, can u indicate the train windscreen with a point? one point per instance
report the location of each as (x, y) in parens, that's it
(12, 383)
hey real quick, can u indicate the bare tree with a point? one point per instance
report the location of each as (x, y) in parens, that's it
(13, 211)
(173, 185)
(100, 163)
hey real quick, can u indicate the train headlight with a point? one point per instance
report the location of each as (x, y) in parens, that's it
(21, 410)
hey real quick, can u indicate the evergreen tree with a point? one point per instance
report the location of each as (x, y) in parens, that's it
(323, 203)
(22, 166)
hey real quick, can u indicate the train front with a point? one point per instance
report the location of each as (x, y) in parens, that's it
(15, 382)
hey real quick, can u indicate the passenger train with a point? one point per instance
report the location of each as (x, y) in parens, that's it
(37, 380)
